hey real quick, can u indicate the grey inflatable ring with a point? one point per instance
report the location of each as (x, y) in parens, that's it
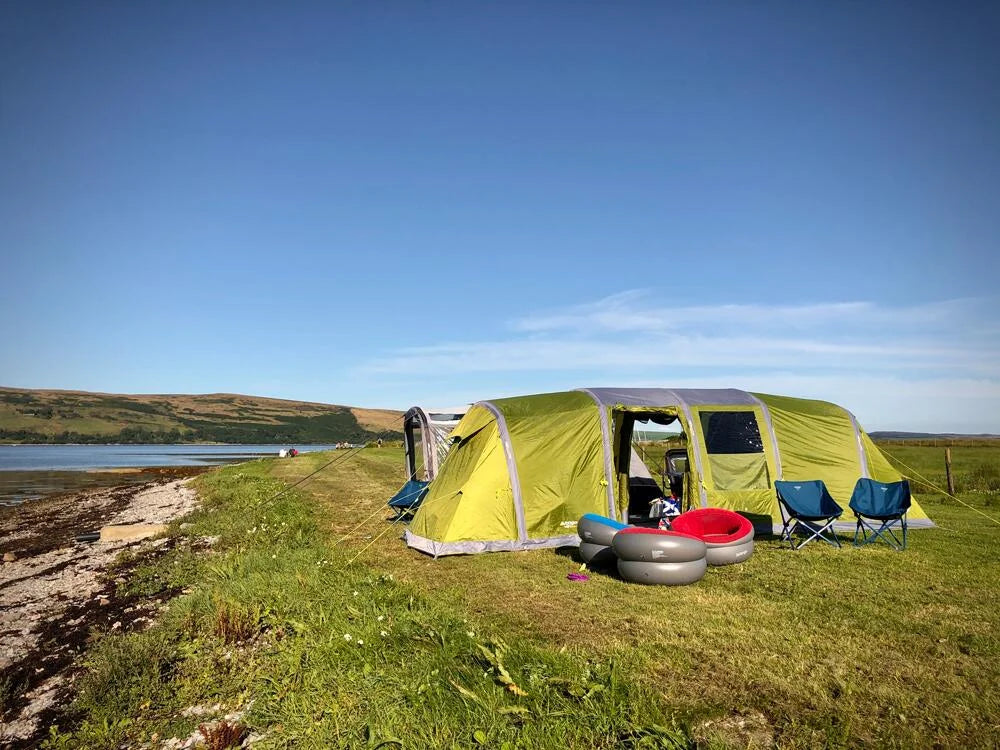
(596, 554)
(596, 529)
(729, 553)
(663, 573)
(656, 546)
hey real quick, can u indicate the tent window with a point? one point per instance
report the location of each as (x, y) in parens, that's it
(731, 432)
(441, 417)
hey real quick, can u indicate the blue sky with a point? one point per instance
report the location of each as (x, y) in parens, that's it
(392, 203)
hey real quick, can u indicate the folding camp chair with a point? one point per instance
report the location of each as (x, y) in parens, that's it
(405, 502)
(887, 502)
(807, 506)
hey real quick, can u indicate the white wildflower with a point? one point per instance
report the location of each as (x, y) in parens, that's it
(348, 637)
(383, 633)
(381, 617)
(361, 642)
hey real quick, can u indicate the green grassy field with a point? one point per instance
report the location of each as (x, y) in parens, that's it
(41, 416)
(336, 635)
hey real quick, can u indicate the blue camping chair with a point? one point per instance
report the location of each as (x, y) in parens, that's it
(886, 502)
(405, 502)
(807, 506)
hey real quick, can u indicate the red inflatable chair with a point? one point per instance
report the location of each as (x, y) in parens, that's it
(727, 535)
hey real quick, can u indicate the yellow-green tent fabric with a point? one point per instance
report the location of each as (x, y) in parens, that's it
(521, 471)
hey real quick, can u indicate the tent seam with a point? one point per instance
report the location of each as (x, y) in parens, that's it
(774, 438)
(695, 445)
(606, 440)
(862, 457)
(515, 481)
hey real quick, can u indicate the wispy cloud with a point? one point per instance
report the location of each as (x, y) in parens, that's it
(625, 331)
(861, 349)
(636, 310)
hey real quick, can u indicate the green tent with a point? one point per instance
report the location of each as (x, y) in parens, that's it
(521, 471)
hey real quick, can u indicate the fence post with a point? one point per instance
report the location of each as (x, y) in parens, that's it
(947, 471)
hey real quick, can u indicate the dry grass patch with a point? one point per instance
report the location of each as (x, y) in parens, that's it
(378, 420)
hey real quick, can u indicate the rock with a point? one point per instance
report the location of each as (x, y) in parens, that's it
(9, 557)
(131, 531)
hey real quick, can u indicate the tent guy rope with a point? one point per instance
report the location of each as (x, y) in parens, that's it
(384, 531)
(336, 459)
(379, 509)
(933, 486)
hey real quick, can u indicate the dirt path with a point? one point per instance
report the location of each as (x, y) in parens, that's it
(54, 594)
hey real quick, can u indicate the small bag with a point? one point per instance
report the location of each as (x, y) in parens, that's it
(656, 508)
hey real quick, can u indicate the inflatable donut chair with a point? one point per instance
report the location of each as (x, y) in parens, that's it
(659, 557)
(596, 533)
(727, 535)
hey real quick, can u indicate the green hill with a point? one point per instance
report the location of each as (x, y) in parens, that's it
(44, 416)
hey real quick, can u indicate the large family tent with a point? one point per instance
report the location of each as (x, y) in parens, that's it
(521, 471)
(425, 439)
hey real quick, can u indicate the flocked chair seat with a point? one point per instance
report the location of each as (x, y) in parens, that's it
(727, 535)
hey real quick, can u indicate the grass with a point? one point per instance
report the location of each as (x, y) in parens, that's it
(332, 654)
(358, 641)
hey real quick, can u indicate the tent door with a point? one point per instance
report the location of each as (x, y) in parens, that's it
(415, 446)
(634, 493)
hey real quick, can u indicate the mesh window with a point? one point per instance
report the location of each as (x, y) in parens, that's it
(731, 432)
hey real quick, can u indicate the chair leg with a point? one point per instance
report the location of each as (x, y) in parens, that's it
(884, 532)
(824, 533)
(864, 528)
(786, 533)
(868, 533)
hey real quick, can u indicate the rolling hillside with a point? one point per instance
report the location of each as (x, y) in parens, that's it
(43, 416)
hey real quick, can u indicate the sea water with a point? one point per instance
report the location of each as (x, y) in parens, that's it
(28, 472)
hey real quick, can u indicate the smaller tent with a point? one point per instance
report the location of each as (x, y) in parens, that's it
(425, 438)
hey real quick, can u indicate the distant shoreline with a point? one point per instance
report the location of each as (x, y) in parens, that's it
(67, 484)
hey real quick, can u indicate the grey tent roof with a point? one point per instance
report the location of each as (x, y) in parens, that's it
(671, 396)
